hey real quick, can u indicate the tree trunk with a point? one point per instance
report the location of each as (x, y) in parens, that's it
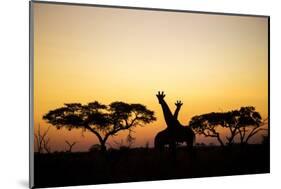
(220, 141)
(101, 140)
(103, 146)
(231, 138)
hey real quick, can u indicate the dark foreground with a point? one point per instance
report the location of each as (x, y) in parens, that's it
(66, 169)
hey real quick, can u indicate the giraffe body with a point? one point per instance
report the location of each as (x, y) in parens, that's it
(175, 132)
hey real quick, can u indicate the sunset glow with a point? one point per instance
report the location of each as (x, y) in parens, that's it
(212, 63)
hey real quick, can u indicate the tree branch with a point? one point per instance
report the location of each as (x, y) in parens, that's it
(95, 132)
(215, 135)
(253, 132)
(233, 133)
(70, 145)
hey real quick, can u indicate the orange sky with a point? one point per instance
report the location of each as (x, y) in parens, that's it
(83, 54)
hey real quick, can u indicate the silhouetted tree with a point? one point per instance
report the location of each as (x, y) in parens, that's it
(245, 122)
(250, 123)
(130, 139)
(207, 124)
(42, 140)
(70, 145)
(102, 120)
(46, 145)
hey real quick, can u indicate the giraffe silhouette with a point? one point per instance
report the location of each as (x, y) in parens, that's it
(175, 132)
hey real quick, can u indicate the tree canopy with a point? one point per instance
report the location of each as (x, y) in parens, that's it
(244, 123)
(102, 120)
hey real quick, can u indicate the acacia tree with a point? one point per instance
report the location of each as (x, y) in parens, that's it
(244, 123)
(250, 124)
(101, 120)
(206, 125)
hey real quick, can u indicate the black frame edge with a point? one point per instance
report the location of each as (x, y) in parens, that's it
(148, 8)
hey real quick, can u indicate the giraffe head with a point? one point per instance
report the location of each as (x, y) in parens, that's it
(160, 96)
(178, 104)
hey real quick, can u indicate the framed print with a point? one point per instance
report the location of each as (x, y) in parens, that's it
(127, 94)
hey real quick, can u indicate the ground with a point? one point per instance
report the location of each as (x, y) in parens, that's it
(143, 164)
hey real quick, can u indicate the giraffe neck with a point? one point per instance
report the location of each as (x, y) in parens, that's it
(168, 116)
(177, 112)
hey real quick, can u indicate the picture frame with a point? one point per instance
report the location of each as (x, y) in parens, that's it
(170, 138)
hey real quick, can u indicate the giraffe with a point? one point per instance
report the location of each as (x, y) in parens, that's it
(170, 120)
(175, 132)
(165, 137)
